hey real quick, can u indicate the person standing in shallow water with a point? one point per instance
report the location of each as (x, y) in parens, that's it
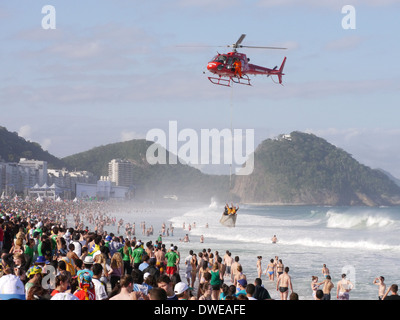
(284, 284)
(325, 270)
(259, 267)
(382, 286)
(344, 287)
(328, 286)
(270, 270)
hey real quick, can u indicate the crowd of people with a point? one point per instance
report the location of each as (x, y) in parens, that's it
(42, 258)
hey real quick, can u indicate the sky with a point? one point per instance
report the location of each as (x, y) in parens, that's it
(112, 71)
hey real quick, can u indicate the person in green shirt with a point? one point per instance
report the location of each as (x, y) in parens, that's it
(215, 281)
(172, 261)
(29, 251)
(137, 255)
(126, 253)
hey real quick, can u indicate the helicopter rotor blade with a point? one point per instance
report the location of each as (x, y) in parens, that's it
(256, 47)
(200, 46)
(240, 40)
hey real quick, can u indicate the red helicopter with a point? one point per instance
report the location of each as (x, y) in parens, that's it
(235, 66)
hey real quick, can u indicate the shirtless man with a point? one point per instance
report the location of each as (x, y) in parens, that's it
(159, 254)
(382, 286)
(274, 239)
(284, 283)
(234, 266)
(228, 260)
(328, 286)
(344, 286)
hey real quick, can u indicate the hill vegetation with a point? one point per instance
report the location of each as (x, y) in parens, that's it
(306, 169)
(297, 169)
(152, 181)
(13, 148)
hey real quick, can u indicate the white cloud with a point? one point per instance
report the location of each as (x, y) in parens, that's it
(344, 43)
(333, 4)
(77, 50)
(25, 132)
(46, 144)
(131, 135)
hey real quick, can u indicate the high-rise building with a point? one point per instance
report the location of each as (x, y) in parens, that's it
(39, 166)
(121, 172)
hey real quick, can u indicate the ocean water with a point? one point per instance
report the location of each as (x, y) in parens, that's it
(362, 242)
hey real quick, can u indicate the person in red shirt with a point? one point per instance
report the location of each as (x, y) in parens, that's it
(62, 283)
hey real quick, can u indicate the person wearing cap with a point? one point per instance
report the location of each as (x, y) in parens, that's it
(88, 262)
(11, 287)
(86, 289)
(242, 284)
(181, 290)
(34, 274)
(40, 261)
(172, 261)
(107, 242)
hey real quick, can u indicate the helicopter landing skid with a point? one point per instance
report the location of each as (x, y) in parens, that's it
(242, 80)
(227, 81)
(220, 81)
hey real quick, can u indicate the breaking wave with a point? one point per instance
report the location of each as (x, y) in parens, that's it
(355, 220)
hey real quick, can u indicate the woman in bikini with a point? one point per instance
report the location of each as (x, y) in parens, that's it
(279, 268)
(202, 270)
(193, 263)
(259, 268)
(270, 270)
(314, 286)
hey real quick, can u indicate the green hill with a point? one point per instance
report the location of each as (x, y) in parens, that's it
(14, 147)
(306, 169)
(152, 181)
(300, 169)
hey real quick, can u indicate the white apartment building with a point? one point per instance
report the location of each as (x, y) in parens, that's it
(120, 172)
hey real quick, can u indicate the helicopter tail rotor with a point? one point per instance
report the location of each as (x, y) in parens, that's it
(280, 74)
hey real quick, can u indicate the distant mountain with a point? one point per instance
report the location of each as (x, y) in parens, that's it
(391, 177)
(295, 169)
(304, 169)
(152, 181)
(13, 148)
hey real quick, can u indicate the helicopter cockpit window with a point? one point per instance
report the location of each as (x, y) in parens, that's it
(220, 58)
